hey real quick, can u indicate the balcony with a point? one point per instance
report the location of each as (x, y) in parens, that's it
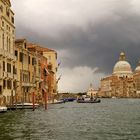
(10, 75)
(5, 75)
(15, 77)
(11, 56)
(5, 53)
(27, 84)
(14, 58)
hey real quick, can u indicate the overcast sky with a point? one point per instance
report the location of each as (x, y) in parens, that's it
(87, 34)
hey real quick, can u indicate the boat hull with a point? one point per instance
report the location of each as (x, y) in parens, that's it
(58, 102)
(3, 109)
(90, 101)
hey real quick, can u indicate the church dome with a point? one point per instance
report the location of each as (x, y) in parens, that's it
(137, 68)
(122, 67)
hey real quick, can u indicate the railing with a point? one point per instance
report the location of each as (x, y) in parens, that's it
(10, 75)
(28, 84)
(7, 54)
(15, 76)
(11, 56)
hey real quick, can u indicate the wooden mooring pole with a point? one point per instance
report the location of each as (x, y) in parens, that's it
(46, 98)
(33, 101)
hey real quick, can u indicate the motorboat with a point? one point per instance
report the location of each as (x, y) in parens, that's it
(58, 102)
(69, 99)
(3, 109)
(89, 101)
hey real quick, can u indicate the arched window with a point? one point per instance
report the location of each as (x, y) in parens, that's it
(7, 43)
(3, 41)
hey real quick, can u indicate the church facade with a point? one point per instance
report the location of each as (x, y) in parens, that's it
(123, 83)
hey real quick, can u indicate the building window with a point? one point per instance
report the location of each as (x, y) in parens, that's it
(29, 76)
(3, 66)
(50, 66)
(2, 23)
(33, 61)
(8, 67)
(28, 59)
(21, 75)
(14, 85)
(7, 43)
(9, 84)
(12, 19)
(14, 70)
(3, 41)
(0, 89)
(4, 84)
(21, 57)
(7, 12)
(16, 54)
(1, 8)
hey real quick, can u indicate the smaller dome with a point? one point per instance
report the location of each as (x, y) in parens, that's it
(137, 68)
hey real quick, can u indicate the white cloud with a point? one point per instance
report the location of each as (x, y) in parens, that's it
(136, 6)
(78, 79)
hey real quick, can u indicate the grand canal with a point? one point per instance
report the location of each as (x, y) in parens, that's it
(112, 119)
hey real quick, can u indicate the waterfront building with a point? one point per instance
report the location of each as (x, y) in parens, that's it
(91, 91)
(106, 89)
(137, 80)
(8, 75)
(43, 87)
(29, 72)
(121, 83)
(50, 68)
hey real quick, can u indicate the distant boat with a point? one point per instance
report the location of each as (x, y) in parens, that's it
(3, 109)
(114, 97)
(89, 101)
(69, 99)
(58, 102)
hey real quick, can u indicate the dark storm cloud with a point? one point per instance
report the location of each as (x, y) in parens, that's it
(96, 44)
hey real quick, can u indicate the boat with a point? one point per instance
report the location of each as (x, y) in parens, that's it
(58, 102)
(3, 109)
(89, 101)
(114, 97)
(69, 99)
(22, 106)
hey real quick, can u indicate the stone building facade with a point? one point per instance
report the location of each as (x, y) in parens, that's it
(24, 69)
(123, 83)
(50, 69)
(8, 75)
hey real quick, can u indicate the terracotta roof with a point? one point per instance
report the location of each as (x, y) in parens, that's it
(20, 40)
(39, 48)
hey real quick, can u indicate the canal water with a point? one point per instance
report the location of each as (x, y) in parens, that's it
(112, 119)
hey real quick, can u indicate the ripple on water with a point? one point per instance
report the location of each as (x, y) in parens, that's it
(109, 120)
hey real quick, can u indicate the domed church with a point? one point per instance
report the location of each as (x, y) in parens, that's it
(123, 82)
(122, 67)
